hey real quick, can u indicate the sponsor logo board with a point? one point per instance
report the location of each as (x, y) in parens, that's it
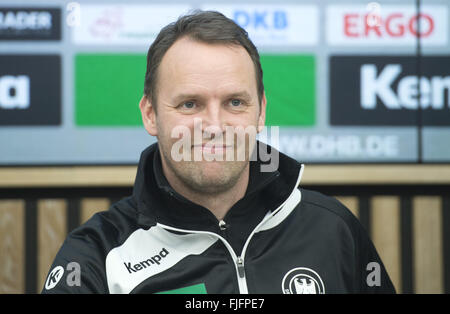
(392, 25)
(30, 90)
(123, 24)
(23, 23)
(386, 91)
(275, 25)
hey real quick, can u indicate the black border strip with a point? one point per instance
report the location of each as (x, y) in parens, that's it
(419, 94)
(73, 214)
(364, 213)
(114, 199)
(31, 246)
(446, 241)
(406, 244)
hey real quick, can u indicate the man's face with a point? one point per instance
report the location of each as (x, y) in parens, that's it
(209, 89)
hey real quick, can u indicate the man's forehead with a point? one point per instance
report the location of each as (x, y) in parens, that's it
(191, 64)
(189, 54)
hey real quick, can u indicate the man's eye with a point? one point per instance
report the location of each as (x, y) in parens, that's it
(235, 102)
(188, 105)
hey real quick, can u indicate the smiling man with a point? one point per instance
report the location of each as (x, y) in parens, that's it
(214, 83)
(205, 216)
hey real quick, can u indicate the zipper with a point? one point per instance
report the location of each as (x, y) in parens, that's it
(240, 267)
(239, 261)
(223, 225)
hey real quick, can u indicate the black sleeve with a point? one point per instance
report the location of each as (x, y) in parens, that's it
(369, 273)
(78, 266)
(372, 277)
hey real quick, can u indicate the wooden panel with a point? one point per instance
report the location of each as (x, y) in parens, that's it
(52, 230)
(351, 202)
(427, 244)
(12, 246)
(67, 176)
(385, 234)
(90, 206)
(314, 174)
(376, 174)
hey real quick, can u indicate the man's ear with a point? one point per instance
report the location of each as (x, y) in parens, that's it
(148, 115)
(262, 113)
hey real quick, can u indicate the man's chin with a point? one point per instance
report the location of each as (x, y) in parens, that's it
(213, 176)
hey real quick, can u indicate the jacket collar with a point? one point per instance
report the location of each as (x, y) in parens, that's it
(158, 202)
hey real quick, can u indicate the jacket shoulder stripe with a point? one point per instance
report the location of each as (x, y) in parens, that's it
(274, 218)
(280, 215)
(146, 253)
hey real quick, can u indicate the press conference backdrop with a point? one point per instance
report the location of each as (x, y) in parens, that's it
(346, 82)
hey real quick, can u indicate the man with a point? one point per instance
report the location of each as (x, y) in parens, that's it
(202, 218)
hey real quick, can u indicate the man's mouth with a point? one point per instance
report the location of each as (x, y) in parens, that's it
(210, 148)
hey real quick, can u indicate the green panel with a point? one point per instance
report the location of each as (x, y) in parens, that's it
(195, 289)
(289, 82)
(108, 89)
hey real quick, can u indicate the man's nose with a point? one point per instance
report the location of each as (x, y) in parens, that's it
(213, 119)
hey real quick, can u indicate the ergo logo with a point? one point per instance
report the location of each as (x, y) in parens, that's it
(392, 25)
(395, 25)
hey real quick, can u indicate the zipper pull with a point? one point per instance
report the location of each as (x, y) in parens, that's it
(223, 225)
(240, 267)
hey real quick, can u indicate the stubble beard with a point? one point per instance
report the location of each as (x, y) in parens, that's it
(204, 177)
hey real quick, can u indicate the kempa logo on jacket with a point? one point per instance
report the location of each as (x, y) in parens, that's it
(54, 277)
(147, 263)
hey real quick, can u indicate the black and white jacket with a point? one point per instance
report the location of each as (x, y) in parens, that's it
(280, 238)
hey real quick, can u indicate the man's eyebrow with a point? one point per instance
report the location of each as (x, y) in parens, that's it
(186, 96)
(242, 94)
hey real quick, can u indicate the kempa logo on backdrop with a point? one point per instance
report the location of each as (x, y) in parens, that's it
(14, 92)
(390, 92)
(30, 90)
(433, 90)
(385, 24)
(30, 24)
